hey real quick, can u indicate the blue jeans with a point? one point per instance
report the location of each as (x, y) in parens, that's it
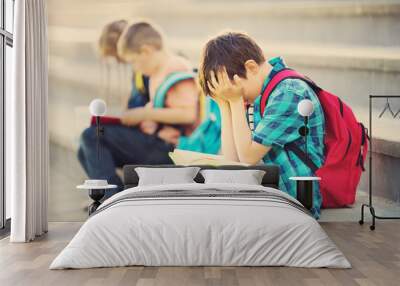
(118, 146)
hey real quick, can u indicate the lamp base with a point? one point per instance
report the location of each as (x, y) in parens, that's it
(305, 193)
(96, 195)
(304, 190)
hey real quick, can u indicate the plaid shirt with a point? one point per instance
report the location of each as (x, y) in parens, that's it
(280, 125)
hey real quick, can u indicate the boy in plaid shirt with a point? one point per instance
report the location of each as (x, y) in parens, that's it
(234, 72)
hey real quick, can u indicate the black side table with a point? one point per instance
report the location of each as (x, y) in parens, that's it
(304, 190)
(96, 193)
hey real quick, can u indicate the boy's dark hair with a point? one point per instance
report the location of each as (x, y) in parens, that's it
(230, 50)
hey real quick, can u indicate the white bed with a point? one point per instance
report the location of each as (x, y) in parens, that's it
(267, 229)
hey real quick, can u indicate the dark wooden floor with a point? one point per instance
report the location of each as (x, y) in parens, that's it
(375, 257)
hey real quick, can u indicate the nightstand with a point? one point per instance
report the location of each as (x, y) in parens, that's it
(96, 193)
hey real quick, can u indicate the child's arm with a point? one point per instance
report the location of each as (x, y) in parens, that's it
(249, 151)
(227, 142)
(184, 111)
(170, 115)
(162, 115)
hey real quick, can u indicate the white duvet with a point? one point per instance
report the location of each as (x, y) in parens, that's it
(200, 231)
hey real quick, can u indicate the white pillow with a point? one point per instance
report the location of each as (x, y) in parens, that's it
(248, 177)
(165, 176)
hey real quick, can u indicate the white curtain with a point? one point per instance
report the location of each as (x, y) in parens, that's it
(27, 141)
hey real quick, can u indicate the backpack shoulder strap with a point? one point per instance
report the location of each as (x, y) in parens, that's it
(165, 86)
(139, 82)
(301, 155)
(277, 79)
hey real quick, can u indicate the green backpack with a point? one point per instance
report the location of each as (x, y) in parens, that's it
(206, 138)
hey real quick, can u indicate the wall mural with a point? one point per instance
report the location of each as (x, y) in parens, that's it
(132, 82)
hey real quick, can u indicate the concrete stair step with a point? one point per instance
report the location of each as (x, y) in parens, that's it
(81, 44)
(68, 56)
(346, 22)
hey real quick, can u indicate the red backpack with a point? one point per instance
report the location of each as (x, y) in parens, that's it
(346, 144)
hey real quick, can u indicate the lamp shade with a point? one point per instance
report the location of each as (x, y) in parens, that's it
(97, 107)
(305, 107)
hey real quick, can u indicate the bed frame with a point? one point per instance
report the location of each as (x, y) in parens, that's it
(270, 179)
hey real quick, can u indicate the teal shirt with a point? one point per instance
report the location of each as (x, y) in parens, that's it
(280, 125)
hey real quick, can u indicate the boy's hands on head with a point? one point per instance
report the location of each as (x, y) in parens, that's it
(223, 89)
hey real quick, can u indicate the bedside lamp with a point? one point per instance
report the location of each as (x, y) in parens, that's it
(96, 188)
(305, 109)
(304, 190)
(98, 108)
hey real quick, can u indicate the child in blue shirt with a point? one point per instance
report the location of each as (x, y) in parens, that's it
(234, 72)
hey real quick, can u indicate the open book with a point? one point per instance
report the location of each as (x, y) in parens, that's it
(112, 117)
(106, 120)
(183, 157)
